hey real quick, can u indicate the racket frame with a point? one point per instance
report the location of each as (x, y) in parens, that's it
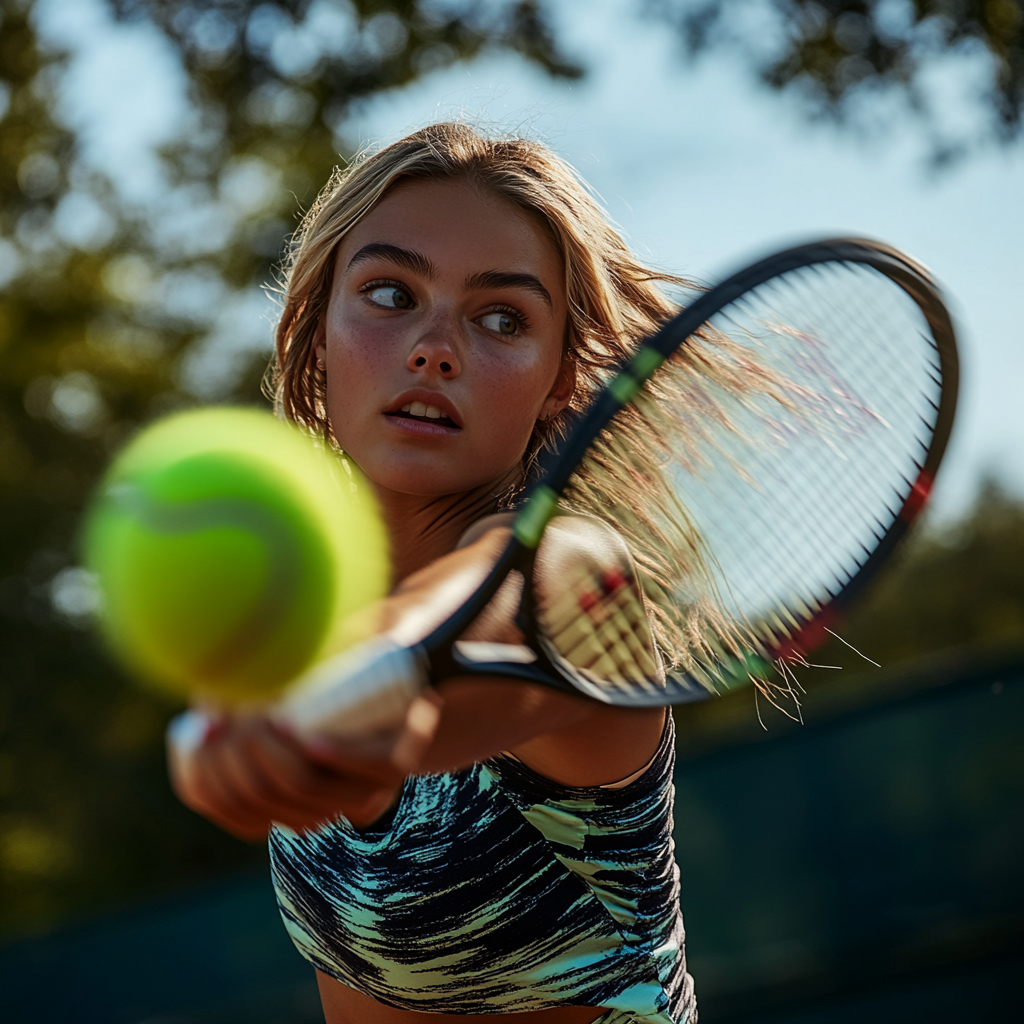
(438, 653)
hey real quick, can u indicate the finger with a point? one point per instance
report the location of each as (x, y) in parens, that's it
(205, 777)
(266, 778)
(190, 737)
(248, 775)
(215, 793)
(274, 774)
(187, 734)
(212, 795)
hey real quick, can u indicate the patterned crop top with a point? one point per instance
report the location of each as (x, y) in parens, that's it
(495, 890)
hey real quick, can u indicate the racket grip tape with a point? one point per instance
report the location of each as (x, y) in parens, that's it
(367, 689)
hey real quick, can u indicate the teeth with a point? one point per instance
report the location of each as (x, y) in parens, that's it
(423, 411)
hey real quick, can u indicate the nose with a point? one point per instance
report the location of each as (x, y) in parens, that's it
(435, 353)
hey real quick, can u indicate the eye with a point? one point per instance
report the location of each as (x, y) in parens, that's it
(390, 296)
(500, 323)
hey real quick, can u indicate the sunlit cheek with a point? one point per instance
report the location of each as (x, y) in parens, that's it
(357, 365)
(512, 408)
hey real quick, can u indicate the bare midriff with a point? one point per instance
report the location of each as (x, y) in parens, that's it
(344, 1005)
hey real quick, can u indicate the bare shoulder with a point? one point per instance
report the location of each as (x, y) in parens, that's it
(606, 746)
(570, 739)
(574, 539)
(585, 574)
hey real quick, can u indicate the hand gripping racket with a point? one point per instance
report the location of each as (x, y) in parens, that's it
(801, 410)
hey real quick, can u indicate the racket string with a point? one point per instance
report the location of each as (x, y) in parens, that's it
(792, 488)
(598, 625)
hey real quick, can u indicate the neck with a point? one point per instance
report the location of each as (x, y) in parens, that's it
(422, 528)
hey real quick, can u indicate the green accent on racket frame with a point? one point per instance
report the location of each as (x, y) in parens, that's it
(530, 523)
(645, 362)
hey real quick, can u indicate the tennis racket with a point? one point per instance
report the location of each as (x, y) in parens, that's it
(801, 409)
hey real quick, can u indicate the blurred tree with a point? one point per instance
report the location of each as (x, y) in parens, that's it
(955, 591)
(113, 312)
(338, 50)
(963, 584)
(79, 762)
(834, 50)
(271, 87)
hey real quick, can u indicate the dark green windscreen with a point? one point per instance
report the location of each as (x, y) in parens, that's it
(868, 868)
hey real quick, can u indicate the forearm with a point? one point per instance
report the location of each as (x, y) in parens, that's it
(481, 716)
(250, 774)
(570, 739)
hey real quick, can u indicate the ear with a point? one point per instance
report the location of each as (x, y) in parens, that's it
(320, 342)
(561, 393)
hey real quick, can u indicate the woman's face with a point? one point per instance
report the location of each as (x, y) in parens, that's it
(443, 338)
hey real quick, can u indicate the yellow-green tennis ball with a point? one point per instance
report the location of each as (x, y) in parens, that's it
(228, 547)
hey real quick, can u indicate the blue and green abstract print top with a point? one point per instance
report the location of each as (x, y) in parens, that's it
(494, 890)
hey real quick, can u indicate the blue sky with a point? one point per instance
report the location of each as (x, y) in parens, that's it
(701, 168)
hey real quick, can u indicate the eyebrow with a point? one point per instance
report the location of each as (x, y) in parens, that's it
(408, 258)
(419, 264)
(507, 279)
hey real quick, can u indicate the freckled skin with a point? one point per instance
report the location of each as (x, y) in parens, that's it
(500, 385)
(435, 483)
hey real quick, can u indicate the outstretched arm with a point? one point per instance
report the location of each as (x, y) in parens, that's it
(250, 771)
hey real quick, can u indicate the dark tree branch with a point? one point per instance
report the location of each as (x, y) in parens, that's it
(837, 47)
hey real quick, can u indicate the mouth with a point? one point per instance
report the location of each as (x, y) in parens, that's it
(424, 413)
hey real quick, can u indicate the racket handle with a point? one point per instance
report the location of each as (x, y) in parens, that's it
(367, 689)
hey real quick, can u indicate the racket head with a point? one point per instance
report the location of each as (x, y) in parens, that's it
(794, 472)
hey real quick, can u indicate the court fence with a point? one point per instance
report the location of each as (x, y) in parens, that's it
(865, 865)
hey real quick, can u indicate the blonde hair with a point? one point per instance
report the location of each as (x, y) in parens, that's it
(614, 301)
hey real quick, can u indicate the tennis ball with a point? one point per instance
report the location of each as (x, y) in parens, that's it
(229, 549)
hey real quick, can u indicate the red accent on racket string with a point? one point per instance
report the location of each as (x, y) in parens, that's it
(917, 497)
(809, 636)
(588, 599)
(613, 581)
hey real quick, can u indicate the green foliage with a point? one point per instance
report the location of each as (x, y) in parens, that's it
(963, 584)
(833, 48)
(950, 602)
(112, 313)
(954, 592)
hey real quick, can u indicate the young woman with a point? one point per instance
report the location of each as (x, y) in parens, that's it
(508, 856)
